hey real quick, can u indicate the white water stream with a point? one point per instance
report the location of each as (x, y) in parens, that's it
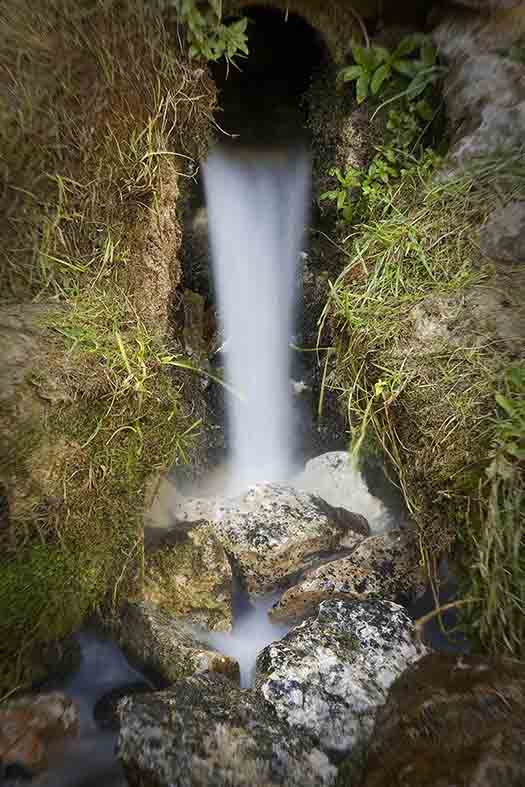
(257, 210)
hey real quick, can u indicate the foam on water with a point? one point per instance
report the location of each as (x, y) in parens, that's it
(252, 632)
(257, 209)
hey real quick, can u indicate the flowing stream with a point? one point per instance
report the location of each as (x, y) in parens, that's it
(257, 210)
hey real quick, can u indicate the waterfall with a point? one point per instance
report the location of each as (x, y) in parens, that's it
(257, 210)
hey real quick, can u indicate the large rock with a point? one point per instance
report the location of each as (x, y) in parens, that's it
(484, 89)
(452, 720)
(204, 732)
(167, 646)
(274, 531)
(330, 674)
(189, 576)
(503, 236)
(333, 477)
(29, 725)
(382, 567)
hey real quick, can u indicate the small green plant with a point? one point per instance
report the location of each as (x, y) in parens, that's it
(209, 37)
(362, 192)
(376, 65)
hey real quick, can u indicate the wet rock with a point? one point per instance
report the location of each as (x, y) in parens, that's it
(189, 576)
(503, 236)
(451, 720)
(332, 477)
(105, 711)
(484, 90)
(30, 724)
(381, 567)
(329, 675)
(273, 531)
(204, 732)
(167, 646)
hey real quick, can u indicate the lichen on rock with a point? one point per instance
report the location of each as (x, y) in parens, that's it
(272, 531)
(203, 732)
(329, 675)
(382, 567)
(168, 647)
(189, 577)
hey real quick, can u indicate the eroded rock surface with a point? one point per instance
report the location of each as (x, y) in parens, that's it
(155, 639)
(274, 531)
(204, 732)
(381, 567)
(484, 86)
(189, 576)
(329, 675)
(451, 720)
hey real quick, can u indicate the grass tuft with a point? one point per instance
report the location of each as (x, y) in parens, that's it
(418, 370)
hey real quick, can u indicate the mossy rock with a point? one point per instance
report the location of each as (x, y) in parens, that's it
(452, 720)
(189, 576)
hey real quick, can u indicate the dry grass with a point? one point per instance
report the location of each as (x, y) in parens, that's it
(93, 99)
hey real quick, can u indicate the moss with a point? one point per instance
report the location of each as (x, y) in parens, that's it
(191, 579)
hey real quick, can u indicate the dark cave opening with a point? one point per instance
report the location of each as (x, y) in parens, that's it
(260, 99)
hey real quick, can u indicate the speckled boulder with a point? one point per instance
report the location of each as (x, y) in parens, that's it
(204, 732)
(274, 531)
(155, 639)
(329, 675)
(451, 720)
(382, 567)
(189, 576)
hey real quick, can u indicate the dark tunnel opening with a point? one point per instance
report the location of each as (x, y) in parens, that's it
(260, 99)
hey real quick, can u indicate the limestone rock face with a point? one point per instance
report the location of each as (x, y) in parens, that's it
(484, 88)
(28, 725)
(204, 732)
(503, 236)
(162, 643)
(189, 576)
(329, 675)
(451, 720)
(381, 567)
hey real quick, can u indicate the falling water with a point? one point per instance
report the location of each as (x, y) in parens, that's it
(257, 210)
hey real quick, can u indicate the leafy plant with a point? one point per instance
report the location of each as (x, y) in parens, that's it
(209, 37)
(361, 192)
(376, 65)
